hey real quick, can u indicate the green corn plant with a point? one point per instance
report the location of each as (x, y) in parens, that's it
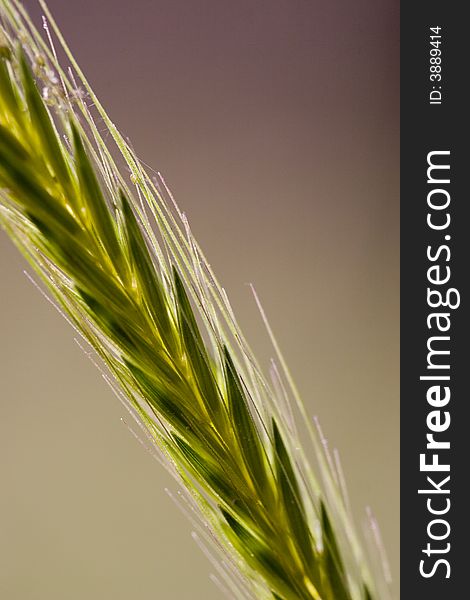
(120, 261)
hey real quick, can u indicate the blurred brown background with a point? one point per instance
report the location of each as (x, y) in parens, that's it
(276, 125)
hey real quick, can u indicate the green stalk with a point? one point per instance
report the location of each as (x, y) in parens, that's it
(135, 284)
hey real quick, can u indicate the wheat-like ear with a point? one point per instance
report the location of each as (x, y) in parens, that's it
(134, 283)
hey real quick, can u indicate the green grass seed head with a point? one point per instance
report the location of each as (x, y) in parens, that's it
(127, 272)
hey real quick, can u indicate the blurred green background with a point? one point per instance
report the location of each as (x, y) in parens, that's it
(276, 124)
